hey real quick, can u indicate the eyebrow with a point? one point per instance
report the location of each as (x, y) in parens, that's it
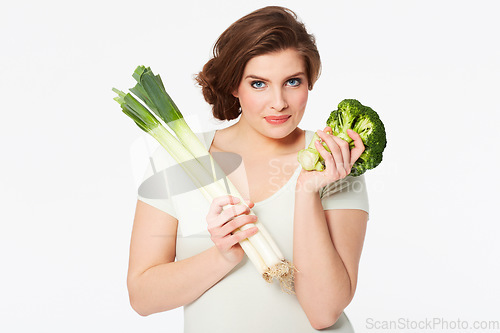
(256, 77)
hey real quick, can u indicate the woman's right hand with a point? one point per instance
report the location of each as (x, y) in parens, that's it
(223, 222)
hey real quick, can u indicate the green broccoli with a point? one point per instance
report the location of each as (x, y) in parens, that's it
(351, 114)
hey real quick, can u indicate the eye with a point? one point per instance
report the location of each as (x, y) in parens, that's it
(294, 82)
(258, 84)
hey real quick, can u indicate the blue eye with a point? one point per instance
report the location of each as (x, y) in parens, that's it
(258, 84)
(293, 82)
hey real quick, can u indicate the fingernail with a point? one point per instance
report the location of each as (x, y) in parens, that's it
(234, 200)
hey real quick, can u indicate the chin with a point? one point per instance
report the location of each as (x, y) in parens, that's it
(280, 132)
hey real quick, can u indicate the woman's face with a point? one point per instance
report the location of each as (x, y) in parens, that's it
(273, 93)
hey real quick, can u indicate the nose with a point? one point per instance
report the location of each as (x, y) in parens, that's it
(278, 100)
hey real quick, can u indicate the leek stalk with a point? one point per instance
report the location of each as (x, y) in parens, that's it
(260, 248)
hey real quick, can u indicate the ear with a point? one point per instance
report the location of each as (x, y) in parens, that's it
(235, 93)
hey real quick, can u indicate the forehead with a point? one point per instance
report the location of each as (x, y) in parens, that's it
(276, 64)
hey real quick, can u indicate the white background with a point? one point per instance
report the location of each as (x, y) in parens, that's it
(430, 68)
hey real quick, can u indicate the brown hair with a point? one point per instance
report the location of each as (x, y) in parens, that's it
(263, 31)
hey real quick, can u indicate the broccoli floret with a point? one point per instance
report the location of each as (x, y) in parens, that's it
(369, 159)
(351, 114)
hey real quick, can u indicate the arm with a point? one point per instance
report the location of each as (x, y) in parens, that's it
(156, 282)
(327, 244)
(327, 250)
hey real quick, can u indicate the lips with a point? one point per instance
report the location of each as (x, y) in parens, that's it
(277, 119)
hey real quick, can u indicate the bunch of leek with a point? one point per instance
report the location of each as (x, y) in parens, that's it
(186, 147)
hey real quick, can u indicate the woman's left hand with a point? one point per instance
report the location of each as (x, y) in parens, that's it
(338, 162)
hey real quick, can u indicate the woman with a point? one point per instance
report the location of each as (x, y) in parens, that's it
(263, 67)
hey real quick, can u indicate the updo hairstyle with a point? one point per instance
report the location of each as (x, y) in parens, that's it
(263, 31)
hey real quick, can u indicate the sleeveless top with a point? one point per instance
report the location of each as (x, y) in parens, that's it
(242, 301)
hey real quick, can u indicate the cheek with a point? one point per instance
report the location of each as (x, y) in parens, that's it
(250, 102)
(300, 99)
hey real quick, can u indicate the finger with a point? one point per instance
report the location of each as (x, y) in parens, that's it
(249, 203)
(231, 212)
(327, 156)
(359, 147)
(333, 159)
(241, 235)
(229, 240)
(346, 155)
(218, 204)
(229, 220)
(238, 222)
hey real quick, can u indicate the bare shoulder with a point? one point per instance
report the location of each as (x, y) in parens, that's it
(222, 140)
